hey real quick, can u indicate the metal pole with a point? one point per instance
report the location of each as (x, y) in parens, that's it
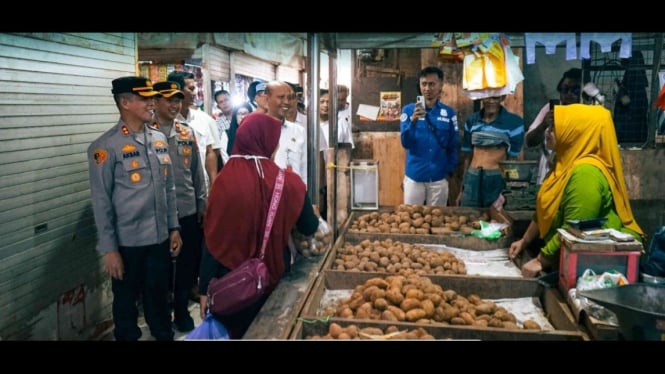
(332, 85)
(655, 90)
(313, 152)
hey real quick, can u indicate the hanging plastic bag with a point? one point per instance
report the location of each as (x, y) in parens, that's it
(315, 245)
(494, 67)
(209, 329)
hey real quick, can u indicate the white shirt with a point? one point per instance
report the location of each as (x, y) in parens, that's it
(301, 119)
(292, 151)
(343, 132)
(205, 130)
(223, 125)
(543, 165)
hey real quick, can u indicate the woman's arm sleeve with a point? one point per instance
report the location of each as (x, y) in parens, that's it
(308, 222)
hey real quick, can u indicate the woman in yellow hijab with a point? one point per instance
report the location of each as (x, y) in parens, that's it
(586, 182)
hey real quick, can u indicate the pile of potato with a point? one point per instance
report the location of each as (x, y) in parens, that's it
(417, 219)
(314, 245)
(395, 257)
(416, 299)
(353, 332)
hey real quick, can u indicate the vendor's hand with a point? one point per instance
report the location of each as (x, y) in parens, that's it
(316, 210)
(516, 248)
(203, 306)
(532, 268)
(113, 265)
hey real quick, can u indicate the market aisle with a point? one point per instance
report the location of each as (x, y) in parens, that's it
(193, 311)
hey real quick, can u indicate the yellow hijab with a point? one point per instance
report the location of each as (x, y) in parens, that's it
(584, 135)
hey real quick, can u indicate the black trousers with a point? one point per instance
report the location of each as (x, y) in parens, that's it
(186, 264)
(147, 277)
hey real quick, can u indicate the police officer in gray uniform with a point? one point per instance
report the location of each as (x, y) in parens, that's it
(134, 204)
(191, 194)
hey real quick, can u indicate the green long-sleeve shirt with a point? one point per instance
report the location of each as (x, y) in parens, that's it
(587, 195)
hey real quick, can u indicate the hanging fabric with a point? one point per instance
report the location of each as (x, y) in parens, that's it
(605, 40)
(550, 40)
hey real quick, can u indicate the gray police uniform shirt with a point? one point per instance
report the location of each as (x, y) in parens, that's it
(132, 188)
(187, 169)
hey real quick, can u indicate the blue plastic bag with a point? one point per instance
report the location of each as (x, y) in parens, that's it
(209, 329)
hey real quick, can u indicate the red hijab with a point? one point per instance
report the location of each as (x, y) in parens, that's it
(240, 196)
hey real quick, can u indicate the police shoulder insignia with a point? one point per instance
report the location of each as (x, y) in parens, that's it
(100, 156)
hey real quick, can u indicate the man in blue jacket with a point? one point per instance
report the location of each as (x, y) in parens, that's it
(429, 133)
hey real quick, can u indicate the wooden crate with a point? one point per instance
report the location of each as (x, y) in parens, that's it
(452, 240)
(355, 239)
(558, 313)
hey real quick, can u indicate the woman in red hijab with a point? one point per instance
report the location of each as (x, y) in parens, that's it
(237, 210)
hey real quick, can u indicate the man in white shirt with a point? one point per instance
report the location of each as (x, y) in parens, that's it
(343, 124)
(223, 119)
(292, 151)
(205, 127)
(294, 114)
(343, 106)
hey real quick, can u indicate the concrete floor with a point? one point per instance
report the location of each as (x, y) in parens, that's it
(193, 311)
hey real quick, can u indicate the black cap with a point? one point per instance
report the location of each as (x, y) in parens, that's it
(168, 89)
(136, 85)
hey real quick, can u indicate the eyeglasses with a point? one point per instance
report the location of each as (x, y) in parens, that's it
(493, 98)
(575, 90)
(242, 113)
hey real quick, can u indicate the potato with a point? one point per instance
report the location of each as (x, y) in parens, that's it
(457, 321)
(530, 324)
(428, 306)
(510, 325)
(387, 315)
(485, 308)
(468, 319)
(397, 312)
(409, 303)
(414, 293)
(334, 330)
(370, 331)
(394, 296)
(415, 314)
